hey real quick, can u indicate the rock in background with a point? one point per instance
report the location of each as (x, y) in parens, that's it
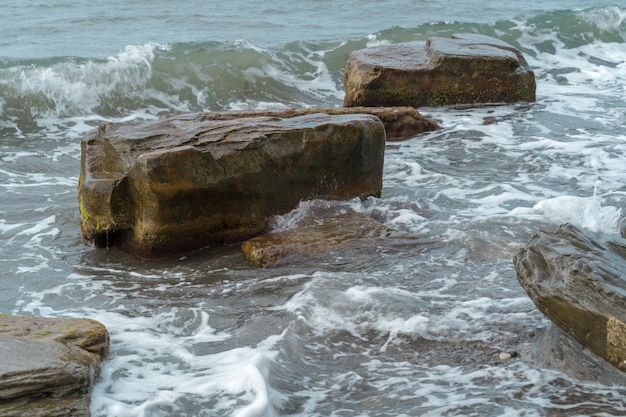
(49, 365)
(466, 69)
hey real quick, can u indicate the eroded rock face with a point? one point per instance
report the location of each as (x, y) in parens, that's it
(49, 365)
(576, 278)
(466, 69)
(174, 185)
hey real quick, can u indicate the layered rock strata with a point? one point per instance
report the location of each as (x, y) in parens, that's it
(49, 365)
(400, 122)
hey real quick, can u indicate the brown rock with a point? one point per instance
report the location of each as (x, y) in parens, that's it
(322, 238)
(178, 184)
(49, 365)
(466, 69)
(576, 279)
(400, 122)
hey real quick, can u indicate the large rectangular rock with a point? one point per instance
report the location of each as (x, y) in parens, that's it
(166, 187)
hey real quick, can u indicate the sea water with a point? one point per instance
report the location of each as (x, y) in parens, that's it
(412, 331)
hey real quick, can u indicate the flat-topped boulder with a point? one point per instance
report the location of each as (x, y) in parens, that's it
(465, 69)
(576, 278)
(170, 186)
(49, 365)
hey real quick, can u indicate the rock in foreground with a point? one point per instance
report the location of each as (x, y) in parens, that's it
(325, 239)
(466, 69)
(49, 365)
(171, 186)
(577, 280)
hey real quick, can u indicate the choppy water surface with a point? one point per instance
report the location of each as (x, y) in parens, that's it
(415, 331)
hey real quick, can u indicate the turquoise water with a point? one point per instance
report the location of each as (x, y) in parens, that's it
(410, 332)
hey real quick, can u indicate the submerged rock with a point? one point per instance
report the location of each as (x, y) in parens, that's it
(400, 122)
(576, 279)
(166, 187)
(49, 365)
(466, 69)
(324, 239)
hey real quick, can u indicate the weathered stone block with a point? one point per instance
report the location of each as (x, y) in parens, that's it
(166, 187)
(466, 69)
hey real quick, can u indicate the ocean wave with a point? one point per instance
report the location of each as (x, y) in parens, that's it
(197, 76)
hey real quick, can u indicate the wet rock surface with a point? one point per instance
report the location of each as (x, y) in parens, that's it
(171, 186)
(465, 69)
(576, 278)
(49, 365)
(327, 239)
(400, 122)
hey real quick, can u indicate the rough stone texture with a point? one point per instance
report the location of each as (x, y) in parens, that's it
(400, 122)
(49, 365)
(576, 279)
(323, 239)
(466, 69)
(171, 186)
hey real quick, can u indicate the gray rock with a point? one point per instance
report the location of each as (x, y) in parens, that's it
(466, 69)
(576, 278)
(163, 188)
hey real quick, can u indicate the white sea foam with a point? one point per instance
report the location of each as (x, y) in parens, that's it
(232, 379)
(607, 19)
(80, 87)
